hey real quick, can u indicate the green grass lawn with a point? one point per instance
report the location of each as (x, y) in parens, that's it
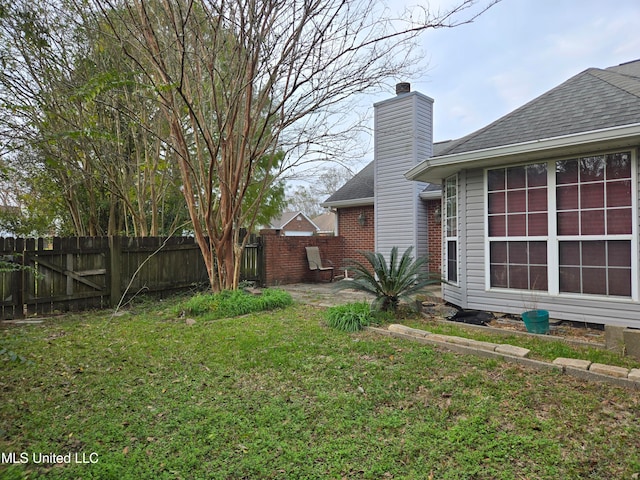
(278, 395)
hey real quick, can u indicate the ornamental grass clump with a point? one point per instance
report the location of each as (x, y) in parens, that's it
(232, 303)
(390, 282)
(350, 317)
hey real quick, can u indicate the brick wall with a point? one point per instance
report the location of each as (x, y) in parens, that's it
(285, 258)
(435, 237)
(356, 237)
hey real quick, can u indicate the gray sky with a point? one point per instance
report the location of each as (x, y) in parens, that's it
(516, 51)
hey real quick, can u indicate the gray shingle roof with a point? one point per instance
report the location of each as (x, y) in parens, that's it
(592, 100)
(361, 185)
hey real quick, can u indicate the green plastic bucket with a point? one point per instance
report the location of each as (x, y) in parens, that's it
(536, 321)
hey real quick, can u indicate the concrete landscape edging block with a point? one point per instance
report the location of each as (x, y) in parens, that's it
(610, 370)
(573, 363)
(583, 369)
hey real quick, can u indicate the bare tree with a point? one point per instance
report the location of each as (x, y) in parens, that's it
(240, 80)
(308, 197)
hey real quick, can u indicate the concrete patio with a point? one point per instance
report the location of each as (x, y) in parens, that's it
(327, 295)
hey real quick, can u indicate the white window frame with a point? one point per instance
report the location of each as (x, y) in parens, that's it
(451, 238)
(507, 238)
(553, 239)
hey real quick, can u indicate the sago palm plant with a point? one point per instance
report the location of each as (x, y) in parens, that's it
(390, 282)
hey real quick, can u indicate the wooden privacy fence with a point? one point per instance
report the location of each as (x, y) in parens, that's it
(92, 272)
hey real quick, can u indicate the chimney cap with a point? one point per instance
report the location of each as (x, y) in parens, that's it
(403, 87)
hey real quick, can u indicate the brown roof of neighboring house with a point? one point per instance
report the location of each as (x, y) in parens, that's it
(325, 222)
(282, 221)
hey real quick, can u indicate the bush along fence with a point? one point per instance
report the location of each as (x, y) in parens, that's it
(41, 277)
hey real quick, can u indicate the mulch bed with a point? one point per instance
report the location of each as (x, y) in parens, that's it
(582, 332)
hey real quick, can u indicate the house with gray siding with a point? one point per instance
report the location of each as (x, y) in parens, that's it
(540, 208)
(379, 208)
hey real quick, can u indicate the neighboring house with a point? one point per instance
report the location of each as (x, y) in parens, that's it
(294, 224)
(540, 207)
(379, 208)
(326, 224)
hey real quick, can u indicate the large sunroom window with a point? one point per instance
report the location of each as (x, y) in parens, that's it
(563, 226)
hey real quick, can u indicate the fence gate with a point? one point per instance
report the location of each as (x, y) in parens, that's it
(252, 266)
(70, 274)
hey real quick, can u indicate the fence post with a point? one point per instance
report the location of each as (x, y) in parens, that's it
(115, 271)
(21, 274)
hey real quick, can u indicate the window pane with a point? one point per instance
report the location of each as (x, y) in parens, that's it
(516, 177)
(592, 169)
(537, 175)
(496, 179)
(516, 201)
(497, 202)
(568, 223)
(619, 253)
(594, 281)
(618, 165)
(497, 226)
(570, 279)
(619, 221)
(594, 253)
(538, 224)
(518, 253)
(517, 225)
(452, 264)
(518, 277)
(619, 193)
(452, 207)
(567, 172)
(620, 282)
(537, 201)
(592, 222)
(569, 253)
(451, 227)
(498, 252)
(567, 197)
(499, 276)
(538, 278)
(592, 195)
(538, 253)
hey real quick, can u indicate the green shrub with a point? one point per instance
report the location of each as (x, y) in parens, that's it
(390, 282)
(232, 303)
(350, 317)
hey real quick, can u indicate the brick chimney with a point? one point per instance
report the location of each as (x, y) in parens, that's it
(403, 87)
